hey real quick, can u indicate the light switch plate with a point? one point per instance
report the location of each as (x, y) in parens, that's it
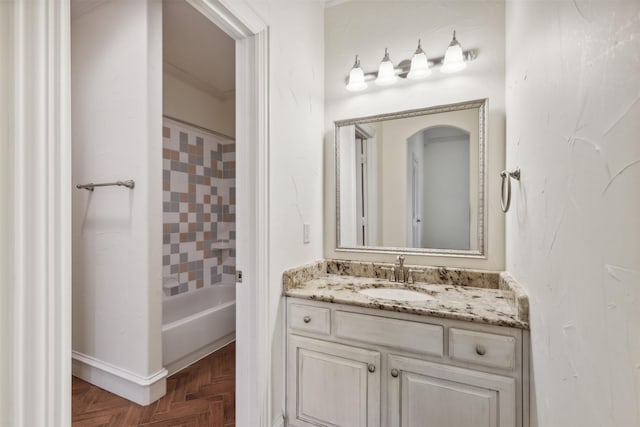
(305, 233)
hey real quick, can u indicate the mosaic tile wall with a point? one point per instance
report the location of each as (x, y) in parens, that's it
(199, 208)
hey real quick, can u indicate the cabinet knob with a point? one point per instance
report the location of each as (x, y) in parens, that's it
(481, 350)
(394, 373)
(372, 367)
(306, 319)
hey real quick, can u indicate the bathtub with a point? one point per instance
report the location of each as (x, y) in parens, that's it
(197, 323)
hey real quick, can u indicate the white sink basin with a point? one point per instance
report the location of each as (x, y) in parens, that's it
(396, 294)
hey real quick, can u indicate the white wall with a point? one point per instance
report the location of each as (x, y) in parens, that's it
(573, 232)
(366, 28)
(6, 327)
(296, 166)
(117, 232)
(185, 102)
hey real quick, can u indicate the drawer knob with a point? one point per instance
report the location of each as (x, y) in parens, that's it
(394, 373)
(306, 319)
(481, 350)
(371, 367)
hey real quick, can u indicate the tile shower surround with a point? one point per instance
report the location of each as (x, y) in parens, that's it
(199, 208)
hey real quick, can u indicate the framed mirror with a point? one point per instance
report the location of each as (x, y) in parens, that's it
(413, 181)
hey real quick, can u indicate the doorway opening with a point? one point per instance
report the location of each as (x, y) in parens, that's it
(200, 200)
(198, 186)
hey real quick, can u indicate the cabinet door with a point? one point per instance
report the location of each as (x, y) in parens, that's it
(435, 395)
(331, 384)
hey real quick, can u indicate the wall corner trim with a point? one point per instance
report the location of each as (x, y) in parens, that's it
(35, 218)
(278, 421)
(142, 390)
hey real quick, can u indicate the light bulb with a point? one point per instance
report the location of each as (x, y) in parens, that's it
(386, 71)
(419, 65)
(356, 78)
(453, 58)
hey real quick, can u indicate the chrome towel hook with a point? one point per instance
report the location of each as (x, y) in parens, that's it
(506, 178)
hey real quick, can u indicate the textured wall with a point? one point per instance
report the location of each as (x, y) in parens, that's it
(199, 208)
(573, 234)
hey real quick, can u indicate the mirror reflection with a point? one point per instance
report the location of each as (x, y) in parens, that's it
(411, 181)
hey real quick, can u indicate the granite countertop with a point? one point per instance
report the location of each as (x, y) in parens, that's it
(497, 300)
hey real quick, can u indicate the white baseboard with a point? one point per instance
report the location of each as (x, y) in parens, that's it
(134, 387)
(201, 353)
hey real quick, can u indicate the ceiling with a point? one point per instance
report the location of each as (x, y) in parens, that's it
(196, 51)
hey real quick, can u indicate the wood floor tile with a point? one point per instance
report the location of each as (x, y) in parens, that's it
(201, 395)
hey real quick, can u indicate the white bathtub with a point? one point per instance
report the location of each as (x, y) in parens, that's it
(197, 323)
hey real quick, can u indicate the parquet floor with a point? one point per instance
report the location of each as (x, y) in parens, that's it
(201, 395)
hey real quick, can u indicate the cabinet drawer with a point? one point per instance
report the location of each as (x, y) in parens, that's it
(480, 348)
(399, 334)
(310, 319)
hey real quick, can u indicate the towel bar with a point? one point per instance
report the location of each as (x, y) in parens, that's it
(91, 186)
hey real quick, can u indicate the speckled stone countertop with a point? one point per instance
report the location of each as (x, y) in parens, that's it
(492, 298)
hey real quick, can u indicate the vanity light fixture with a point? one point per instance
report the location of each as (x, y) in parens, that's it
(453, 57)
(386, 71)
(419, 65)
(356, 81)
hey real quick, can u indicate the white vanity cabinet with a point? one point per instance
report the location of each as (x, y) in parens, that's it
(333, 384)
(349, 366)
(448, 396)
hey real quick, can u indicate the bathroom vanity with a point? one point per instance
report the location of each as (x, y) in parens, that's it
(457, 357)
(378, 344)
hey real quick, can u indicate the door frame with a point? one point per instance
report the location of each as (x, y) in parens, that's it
(35, 212)
(416, 202)
(253, 351)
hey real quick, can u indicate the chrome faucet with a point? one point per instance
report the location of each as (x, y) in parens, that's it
(399, 268)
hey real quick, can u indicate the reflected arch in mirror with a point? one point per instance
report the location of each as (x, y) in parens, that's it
(438, 209)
